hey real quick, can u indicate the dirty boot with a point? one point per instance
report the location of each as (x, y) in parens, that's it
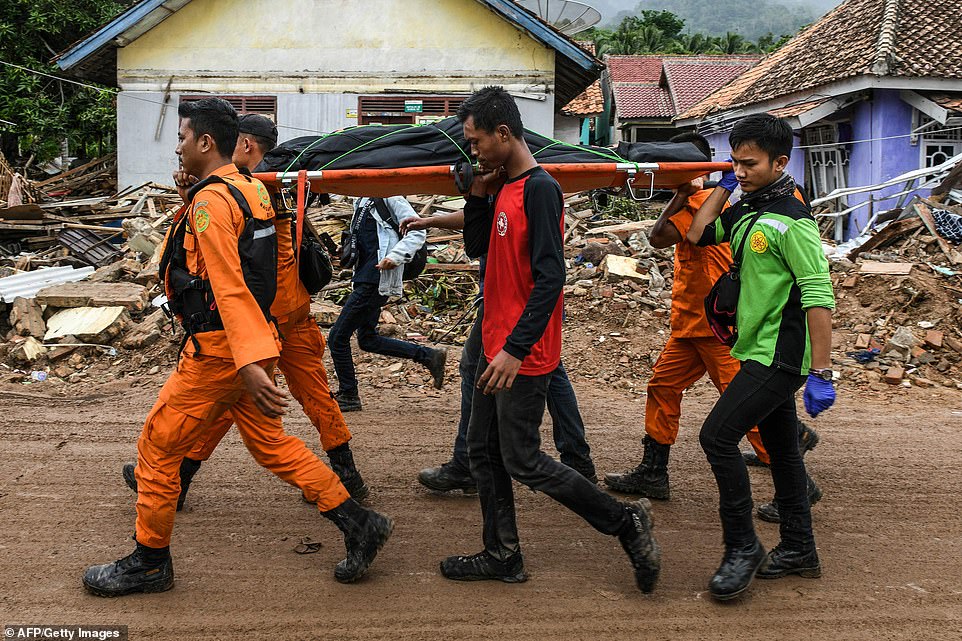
(638, 540)
(342, 462)
(769, 511)
(737, 570)
(586, 470)
(435, 365)
(448, 477)
(188, 467)
(783, 561)
(348, 401)
(144, 570)
(484, 567)
(365, 532)
(650, 478)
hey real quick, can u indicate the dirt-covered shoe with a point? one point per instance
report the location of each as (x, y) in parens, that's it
(365, 533)
(638, 541)
(435, 365)
(348, 402)
(448, 477)
(484, 567)
(136, 572)
(737, 570)
(649, 478)
(782, 562)
(769, 511)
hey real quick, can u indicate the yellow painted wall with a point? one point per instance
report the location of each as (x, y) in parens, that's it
(316, 46)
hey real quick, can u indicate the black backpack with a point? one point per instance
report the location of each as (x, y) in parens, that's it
(416, 265)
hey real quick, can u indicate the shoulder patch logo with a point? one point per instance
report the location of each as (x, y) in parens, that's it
(201, 217)
(264, 196)
(502, 224)
(758, 242)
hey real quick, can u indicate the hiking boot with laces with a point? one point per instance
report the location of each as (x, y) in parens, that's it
(638, 541)
(188, 468)
(365, 533)
(737, 570)
(143, 570)
(782, 562)
(649, 478)
(769, 511)
(484, 567)
(448, 477)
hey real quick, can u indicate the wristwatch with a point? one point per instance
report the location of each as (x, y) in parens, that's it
(826, 374)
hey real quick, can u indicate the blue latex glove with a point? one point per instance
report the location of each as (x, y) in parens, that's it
(819, 395)
(728, 180)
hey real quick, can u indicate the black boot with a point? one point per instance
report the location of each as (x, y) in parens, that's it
(365, 532)
(737, 570)
(448, 477)
(484, 567)
(144, 570)
(188, 467)
(782, 562)
(650, 478)
(342, 462)
(807, 440)
(348, 401)
(638, 540)
(436, 360)
(769, 511)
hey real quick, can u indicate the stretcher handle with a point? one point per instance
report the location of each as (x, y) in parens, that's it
(301, 210)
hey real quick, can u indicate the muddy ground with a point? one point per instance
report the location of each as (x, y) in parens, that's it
(889, 528)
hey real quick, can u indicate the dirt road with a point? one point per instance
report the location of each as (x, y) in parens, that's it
(889, 530)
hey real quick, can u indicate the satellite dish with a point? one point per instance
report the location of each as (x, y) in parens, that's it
(567, 16)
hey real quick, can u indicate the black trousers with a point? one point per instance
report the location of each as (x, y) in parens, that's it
(504, 442)
(763, 396)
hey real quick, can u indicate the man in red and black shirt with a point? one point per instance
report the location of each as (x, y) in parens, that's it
(521, 333)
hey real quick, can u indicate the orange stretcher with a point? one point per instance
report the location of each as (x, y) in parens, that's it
(440, 180)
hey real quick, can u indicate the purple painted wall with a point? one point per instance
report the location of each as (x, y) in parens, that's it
(876, 161)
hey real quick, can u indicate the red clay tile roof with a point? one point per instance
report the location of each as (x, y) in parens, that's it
(952, 102)
(797, 109)
(661, 86)
(908, 38)
(591, 101)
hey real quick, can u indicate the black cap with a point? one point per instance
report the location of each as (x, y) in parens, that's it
(258, 126)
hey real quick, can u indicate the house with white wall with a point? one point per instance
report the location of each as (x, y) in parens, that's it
(316, 66)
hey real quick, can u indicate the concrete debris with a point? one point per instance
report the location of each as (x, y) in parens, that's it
(89, 324)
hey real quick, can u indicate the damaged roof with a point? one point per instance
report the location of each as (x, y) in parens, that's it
(95, 57)
(664, 86)
(878, 38)
(591, 101)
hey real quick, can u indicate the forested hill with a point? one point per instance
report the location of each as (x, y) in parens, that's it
(748, 18)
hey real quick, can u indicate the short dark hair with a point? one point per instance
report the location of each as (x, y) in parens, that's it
(491, 107)
(696, 139)
(769, 133)
(215, 117)
(265, 144)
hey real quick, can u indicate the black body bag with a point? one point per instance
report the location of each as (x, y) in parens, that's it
(721, 304)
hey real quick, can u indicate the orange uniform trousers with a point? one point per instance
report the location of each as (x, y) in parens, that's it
(680, 365)
(195, 397)
(302, 347)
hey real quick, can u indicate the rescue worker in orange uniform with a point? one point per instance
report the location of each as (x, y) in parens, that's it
(692, 349)
(302, 344)
(219, 269)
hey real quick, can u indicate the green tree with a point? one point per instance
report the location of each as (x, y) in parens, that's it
(38, 112)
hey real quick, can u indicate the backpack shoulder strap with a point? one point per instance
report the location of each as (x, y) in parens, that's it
(234, 192)
(384, 213)
(737, 256)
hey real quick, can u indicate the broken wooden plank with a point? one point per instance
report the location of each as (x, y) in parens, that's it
(128, 295)
(892, 269)
(89, 324)
(892, 232)
(622, 230)
(26, 318)
(925, 214)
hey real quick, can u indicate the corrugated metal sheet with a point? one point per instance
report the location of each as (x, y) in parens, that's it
(28, 284)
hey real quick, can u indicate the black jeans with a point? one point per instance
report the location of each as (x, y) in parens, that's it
(763, 396)
(360, 314)
(568, 426)
(504, 442)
